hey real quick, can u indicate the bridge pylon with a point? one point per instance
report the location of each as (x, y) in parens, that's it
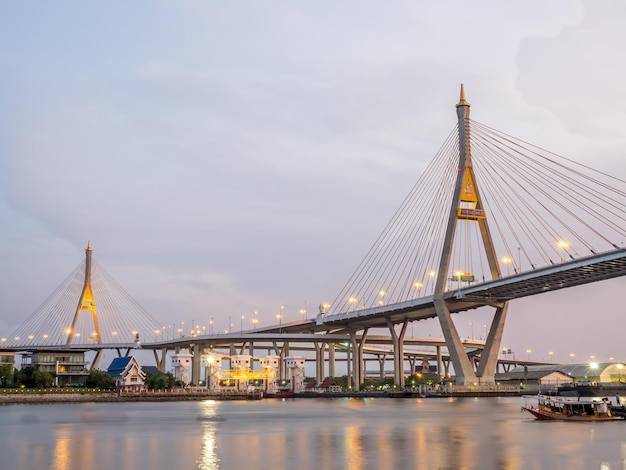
(87, 303)
(467, 206)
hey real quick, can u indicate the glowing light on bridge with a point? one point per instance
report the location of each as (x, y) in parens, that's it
(563, 245)
(507, 260)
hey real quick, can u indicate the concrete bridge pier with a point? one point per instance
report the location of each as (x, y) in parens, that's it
(196, 362)
(160, 363)
(381, 364)
(281, 352)
(319, 361)
(398, 351)
(440, 372)
(462, 366)
(331, 360)
(357, 358)
(489, 357)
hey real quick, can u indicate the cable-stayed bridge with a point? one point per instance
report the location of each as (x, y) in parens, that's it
(492, 219)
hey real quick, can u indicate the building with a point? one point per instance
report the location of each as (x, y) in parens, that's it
(68, 367)
(541, 377)
(181, 365)
(295, 368)
(127, 373)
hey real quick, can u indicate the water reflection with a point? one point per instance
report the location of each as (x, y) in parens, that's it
(383, 433)
(209, 418)
(61, 457)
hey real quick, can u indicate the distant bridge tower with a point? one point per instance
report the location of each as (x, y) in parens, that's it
(86, 302)
(467, 205)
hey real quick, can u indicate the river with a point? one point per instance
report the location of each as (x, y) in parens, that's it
(354, 434)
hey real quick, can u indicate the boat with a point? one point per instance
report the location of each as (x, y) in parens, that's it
(563, 408)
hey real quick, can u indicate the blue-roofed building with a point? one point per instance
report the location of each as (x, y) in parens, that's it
(127, 373)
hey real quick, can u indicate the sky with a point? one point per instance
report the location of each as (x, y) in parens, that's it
(231, 157)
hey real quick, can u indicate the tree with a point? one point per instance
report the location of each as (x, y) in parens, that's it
(6, 375)
(43, 379)
(159, 381)
(25, 377)
(100, 379)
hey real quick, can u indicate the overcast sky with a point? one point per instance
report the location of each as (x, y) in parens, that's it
(227, 157)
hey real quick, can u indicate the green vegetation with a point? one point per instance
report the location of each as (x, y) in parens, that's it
(160, 381)
(7, 373)
(100, 379)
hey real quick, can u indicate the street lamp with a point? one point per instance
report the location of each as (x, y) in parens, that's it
(382, 294)
(241, 330)
(303, 312)
(563, 245)
(254, 319)
(507, 261)
(418, 286)
(528, 351)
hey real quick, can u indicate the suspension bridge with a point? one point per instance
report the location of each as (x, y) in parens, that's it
(492, 219)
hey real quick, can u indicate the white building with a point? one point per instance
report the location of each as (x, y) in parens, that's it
(295, 370)
(181, 366)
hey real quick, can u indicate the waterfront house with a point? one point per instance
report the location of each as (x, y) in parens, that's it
(127, 373)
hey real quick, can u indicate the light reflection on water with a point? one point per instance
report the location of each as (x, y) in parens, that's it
(381, 433)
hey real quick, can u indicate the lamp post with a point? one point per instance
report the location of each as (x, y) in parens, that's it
(418, 286)
(382, 294)
(280, 321)
(241, 330)
(563, 245)
(507, 261)
(254, 320)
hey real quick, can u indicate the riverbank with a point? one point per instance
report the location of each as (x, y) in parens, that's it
(43, 397)
(26, 396)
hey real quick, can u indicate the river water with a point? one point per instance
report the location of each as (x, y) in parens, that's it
(343, 433)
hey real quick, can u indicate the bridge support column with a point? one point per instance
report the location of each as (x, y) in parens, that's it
(196, 362)
(398, 352)
(319, 361)
(251, 353)
(348, 367)
(357, 358)
(96, 360)
(440, 372)
(381, 364)
(462, 367)
(489, 357)
(412, 360)
(161, 364)
(331, 360)
(282, 353)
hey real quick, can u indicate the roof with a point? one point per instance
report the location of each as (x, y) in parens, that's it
(152, 370)
(118, 365)
(571, 370)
